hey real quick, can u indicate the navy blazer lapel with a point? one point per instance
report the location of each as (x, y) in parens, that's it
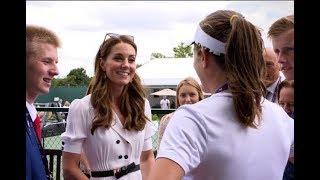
(34, 140)
(30, 128)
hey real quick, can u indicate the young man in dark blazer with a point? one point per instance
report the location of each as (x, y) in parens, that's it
(41, 67)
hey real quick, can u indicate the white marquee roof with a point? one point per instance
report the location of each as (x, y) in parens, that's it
(166, 71)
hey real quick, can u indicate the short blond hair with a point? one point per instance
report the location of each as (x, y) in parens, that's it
(37, 34)
(280, 26)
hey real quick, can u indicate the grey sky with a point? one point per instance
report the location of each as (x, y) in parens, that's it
(157, 26)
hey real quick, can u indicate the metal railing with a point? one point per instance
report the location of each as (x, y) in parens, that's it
(66, 109)
(52, 129)
(52, 142)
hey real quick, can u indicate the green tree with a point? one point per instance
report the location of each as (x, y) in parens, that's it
(58, 82)
(157, 55)
(76, 77)
(182, 51)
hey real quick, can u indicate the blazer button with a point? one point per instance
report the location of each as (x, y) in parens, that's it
(126, 156)
(118, 141)
(62, 142)
(120, 157)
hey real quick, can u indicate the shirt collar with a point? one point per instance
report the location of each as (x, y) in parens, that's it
(273, 86)
(32, 110)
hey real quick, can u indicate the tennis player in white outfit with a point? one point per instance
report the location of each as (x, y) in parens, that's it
(235, 134)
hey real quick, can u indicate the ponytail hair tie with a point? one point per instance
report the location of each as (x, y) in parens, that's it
(232, 18)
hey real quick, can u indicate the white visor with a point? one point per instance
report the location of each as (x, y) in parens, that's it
(215, 46)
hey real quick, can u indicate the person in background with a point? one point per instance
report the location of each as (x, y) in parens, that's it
(272, 77)
(165, 103)
(66, 104)
(281, 33)
(188, 92)
(60, 103)
(235, 133)
(286, 96)
(286, 101)
(112, 125)
(41, 67)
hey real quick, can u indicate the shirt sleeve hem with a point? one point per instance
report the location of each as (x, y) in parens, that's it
(147, 145)
(73, 147)
(174, 157)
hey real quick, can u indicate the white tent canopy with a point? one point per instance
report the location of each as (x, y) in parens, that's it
(165, 92)
(166, 71)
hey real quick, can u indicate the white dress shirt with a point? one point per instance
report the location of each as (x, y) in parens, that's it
(32, 110)
(273, 88)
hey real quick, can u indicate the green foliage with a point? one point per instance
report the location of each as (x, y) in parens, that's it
(58, 82)
(155, 117)
(182, 51)
(76, 77)
(157, 55)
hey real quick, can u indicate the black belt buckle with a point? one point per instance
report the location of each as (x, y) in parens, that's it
(124, 170)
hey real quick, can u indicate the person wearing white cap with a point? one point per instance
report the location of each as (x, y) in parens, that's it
(235, 133)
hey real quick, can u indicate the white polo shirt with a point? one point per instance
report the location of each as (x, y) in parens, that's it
(207, 141)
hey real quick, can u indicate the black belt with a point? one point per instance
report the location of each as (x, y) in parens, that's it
(124, 170)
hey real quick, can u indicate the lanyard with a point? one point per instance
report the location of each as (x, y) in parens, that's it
(31, 131)
(222, 88)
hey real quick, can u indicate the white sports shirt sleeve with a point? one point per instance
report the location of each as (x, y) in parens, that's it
(184, 143)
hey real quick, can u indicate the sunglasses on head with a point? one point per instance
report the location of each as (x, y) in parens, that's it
(114, 35)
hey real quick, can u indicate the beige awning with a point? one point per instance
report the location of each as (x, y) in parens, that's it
(165, 92)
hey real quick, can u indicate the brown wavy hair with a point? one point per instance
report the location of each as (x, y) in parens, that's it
(242, 63)
(191, 82)
(131, 105)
